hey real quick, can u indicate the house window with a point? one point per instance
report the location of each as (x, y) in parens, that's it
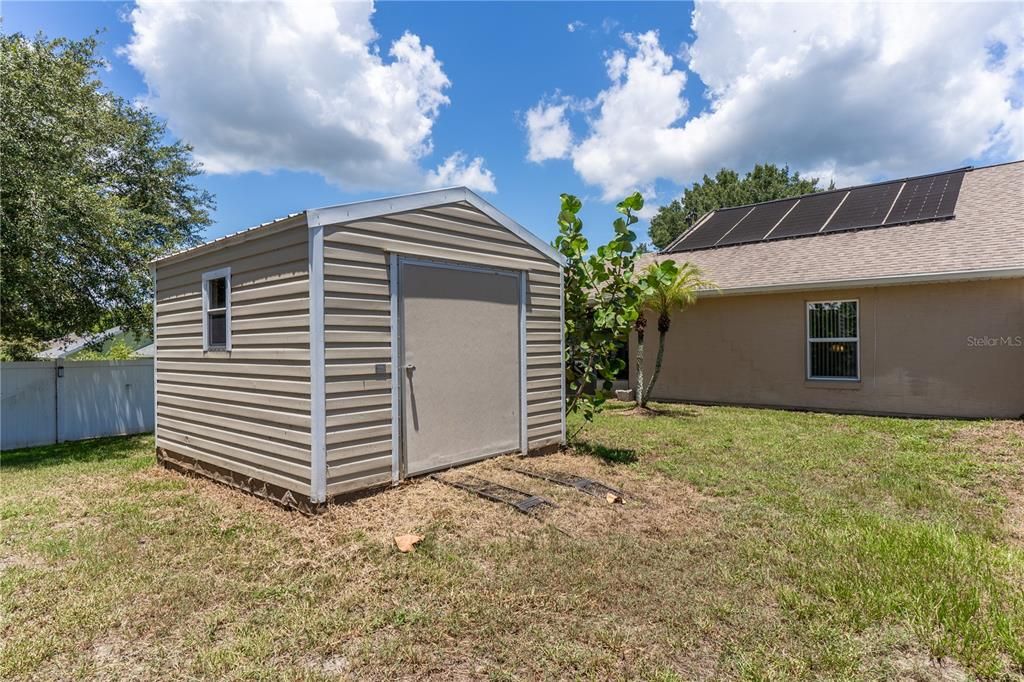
(217, 310)
(833, 340)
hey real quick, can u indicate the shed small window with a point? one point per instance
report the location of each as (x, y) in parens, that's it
(217, 310)
(833, 340)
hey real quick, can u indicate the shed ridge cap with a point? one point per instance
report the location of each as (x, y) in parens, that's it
(457, 190)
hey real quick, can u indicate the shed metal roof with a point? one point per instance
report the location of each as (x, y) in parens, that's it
(360, 210)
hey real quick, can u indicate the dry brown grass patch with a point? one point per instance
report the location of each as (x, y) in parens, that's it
(1002, 444)
(653, 507)
(638, 411)
(1013, 517)
(918, 666)
(1003, 438)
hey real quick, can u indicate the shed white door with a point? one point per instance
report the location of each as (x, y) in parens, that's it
(461, 375)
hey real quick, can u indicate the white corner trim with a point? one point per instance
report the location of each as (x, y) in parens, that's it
(561, 342)
(156, 359)
(396, 370)
(207, 276)
(317, 369)
(360, 210)
(524, 426)
(892, 280)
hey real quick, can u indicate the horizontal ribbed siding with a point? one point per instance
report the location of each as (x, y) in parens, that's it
(543, 358)
(357, 343)
(358, 328)
(246, 410)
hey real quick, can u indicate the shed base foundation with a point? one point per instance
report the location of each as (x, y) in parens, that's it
(267, 491)
(544, 450)
(190, 466)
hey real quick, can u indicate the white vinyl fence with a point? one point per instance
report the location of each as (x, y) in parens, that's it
(51, 401)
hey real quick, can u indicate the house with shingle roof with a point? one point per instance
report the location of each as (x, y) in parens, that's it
(903, 297)
(73, 346)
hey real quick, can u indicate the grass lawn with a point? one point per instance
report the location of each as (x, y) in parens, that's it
(759, 544)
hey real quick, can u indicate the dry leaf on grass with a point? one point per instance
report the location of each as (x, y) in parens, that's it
(407, 543)
(612, 498)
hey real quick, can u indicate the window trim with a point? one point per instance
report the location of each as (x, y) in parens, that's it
(219, 273)
(837, 339)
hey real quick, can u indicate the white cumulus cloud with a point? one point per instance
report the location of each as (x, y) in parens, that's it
(297, 86)
(849, 91)
(548, 132)
(574, 26)
(457, 169)
(626, 145)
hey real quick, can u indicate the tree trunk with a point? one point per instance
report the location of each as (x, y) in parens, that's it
(639, 366)
(657, 368)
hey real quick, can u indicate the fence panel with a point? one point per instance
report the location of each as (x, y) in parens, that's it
(104, 398)
(46, 402)
(28, 404)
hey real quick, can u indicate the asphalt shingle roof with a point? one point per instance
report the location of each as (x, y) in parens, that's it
(987, 233)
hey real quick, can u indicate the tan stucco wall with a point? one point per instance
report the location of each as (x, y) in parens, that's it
(923, 351)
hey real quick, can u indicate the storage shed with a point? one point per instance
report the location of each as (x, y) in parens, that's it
(348, 347)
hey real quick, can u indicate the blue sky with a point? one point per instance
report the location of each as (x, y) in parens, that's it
(643, 96)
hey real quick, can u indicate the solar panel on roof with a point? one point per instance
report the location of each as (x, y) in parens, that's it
(881, 204)
(712, 229)
(808, 216)
(947, 202)
(865, 207)
(927, 198)
(755, 226)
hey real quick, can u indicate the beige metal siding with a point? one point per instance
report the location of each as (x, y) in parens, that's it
(358, 328)
(950, 349)
(357, 342)
(247, 409)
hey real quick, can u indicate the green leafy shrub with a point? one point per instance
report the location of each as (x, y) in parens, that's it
(601, 303)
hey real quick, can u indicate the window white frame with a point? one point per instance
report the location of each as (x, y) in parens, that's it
(835, 339)
(225, 274)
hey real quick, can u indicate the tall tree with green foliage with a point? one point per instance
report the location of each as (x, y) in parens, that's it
(764, 183)
(92, 191)
(666, 288)
(601, 303)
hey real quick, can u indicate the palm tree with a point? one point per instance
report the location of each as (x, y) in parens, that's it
(668, 288)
